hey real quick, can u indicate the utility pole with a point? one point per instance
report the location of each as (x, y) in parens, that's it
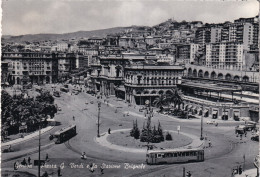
(39, 161)
(99, 105)
(201, 125)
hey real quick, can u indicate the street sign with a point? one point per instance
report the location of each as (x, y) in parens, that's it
(147, 102)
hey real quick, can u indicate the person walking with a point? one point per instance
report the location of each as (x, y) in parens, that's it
(73, 118)
(24, 162)
(29, 160)
(59, 171)
(240, 136)
(109, 131)
(15, 165)
(101, 169)
(209, 143)
(47, 157)
(91, 168)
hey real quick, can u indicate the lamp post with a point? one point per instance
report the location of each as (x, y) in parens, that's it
(39, 155)
(99, 105)
(201, 125)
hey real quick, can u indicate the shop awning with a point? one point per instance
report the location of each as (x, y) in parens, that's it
(236, 114)
(205, 111)
(215, 112)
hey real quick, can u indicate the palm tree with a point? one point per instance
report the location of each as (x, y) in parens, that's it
(160, 101)
(175, 98)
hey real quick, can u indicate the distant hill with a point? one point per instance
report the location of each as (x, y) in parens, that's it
(65, 36)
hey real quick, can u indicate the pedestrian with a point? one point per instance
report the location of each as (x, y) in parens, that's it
(101, 169)
(15, 165)
(209, 143)
(245, 134)
(59, 172)
(91, 168)
(46, 157)
(73, 118)
(109, 131)
(29, 160)
(83, 156)
(24, 162)
(240, 136)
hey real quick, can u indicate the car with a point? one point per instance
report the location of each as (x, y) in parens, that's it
(59, 108)
(241, 129)
(255, 138)
(91, 102)
(211, 122)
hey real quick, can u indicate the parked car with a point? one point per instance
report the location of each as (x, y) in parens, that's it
(250, 125)
(241, 129)
(91, 102)
(255, 138)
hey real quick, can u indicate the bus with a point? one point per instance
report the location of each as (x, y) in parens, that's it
(65, 134)
(64, 89)
(174, 156)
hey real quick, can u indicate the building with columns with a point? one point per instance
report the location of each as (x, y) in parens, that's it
(146, 82)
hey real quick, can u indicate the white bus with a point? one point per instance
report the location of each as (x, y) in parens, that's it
(174, 156)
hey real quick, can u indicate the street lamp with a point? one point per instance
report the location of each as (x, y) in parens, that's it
(201, 125)
(39, 161)
(99, 105)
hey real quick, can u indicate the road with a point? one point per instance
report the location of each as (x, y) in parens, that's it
(227, 151)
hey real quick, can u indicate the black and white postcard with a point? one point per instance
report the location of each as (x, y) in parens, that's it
(130, 88)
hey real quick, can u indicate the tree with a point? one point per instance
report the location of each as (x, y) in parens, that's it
(160, 101)
(168, 136)
(135, 132)
(175, 98)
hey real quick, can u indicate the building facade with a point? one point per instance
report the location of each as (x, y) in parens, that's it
(31, 67)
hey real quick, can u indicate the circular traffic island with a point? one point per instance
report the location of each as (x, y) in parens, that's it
(123, 138)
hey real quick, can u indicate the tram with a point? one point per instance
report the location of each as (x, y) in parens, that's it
(174, 156)
(65, 134)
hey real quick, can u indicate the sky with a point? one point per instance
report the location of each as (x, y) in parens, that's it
(63, 16)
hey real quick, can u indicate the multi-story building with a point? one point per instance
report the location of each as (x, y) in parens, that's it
(146, 82)
(62, 47)
(203, 35)
(225, 55)
(31, 67)
(66, 63)
(126, 42)
(246, 33)
(4, 71)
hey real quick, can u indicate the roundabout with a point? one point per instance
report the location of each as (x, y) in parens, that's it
(120, 140)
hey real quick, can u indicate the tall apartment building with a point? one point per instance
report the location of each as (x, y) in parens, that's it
(225, 55)
(66, 63)
(187, 52)
(246, 33)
